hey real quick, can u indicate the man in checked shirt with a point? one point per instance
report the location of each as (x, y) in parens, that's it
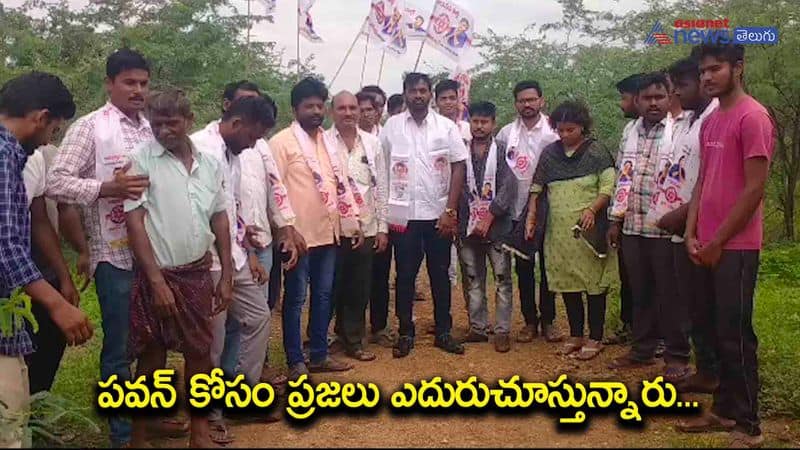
(32, 107)
(90, 170)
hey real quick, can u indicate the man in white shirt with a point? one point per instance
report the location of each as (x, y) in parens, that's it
(426, 177)
(685, 76)
(364, 157)
(524, 139)
(244, 122)
(448, 105)
(369, 118)
(264, 208)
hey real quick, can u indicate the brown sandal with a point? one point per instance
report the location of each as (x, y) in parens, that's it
(588, 351)
(220, 433)
(362, 355)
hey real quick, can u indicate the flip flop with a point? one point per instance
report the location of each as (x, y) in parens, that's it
(220, 433)
(586, 352)
(179, 428)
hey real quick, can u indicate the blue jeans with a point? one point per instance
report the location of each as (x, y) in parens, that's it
(319, 265)
(265, 258)
(113, 287)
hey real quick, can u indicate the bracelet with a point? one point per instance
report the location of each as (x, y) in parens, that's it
(590, 209)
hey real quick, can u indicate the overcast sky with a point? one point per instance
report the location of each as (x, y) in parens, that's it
(338, 22)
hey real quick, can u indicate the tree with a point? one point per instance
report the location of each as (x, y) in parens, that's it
(597, 49)
(196, 45)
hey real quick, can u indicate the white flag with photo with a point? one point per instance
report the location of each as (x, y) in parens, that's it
(451, 28)
(305, 22)
(387, 24)
(416, 23)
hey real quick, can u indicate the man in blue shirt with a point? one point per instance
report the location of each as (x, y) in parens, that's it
(32, 107)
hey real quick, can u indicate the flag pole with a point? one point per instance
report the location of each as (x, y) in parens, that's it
(364, 64)
(344, 60)
(298, 39)
(419, 55)
(247, 47)
(380, 71)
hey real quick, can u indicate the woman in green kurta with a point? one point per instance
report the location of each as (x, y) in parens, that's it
(579, 178)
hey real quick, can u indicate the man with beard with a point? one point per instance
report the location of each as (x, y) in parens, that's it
(423, 204)
(90, 170)
(173, 293)
(697, 106)
(32, 107)
(244, 122)
(724, 233)
(321, 192)
(646, 248)
(524, 139)
(627, 102)
(485, 207)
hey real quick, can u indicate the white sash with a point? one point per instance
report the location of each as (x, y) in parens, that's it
(674, 188)
(632, 162)
(348, 198)
(403, 168)
(521, 160)
(110, 156)
(480, 197)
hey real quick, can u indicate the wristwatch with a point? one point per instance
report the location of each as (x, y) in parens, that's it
(451, 212)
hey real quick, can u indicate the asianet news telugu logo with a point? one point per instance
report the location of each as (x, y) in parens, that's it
(710, 31)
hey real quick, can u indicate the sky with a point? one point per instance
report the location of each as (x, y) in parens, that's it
(339, 21)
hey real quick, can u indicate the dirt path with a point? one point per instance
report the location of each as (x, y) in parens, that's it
(536, 361)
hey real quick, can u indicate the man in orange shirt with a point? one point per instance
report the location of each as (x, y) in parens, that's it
(320, 190)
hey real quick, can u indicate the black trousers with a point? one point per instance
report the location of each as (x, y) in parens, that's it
(421, 239)
(526, 278)
(379, 292)
(596, 306)
(351, 290)
(275, 275)
(727, 303)
(625, 294)
(690, 278)
(49, 343)
(658, 310)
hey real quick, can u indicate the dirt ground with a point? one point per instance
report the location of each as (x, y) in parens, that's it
(536, 361)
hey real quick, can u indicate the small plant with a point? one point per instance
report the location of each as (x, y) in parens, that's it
(47, 417)
(14, 311)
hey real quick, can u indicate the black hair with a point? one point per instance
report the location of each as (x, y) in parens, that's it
(684, 68)
(252, 110)
(307, 88)
(36, 91)
(730, 53)
(527, 84)
(574, 112)
(413, 78)
(446, 85)
(395, 101)
(243, 85)
(125, 59)
(483, 109)
(367, 97)
(374, 89)
(629, 84)
(652, 79)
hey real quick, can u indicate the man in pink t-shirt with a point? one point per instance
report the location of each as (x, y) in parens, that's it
(723, 236)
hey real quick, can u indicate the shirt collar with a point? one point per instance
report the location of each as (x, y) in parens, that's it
(160, 151)
(13, 143)
(408, 117)
(539, 124)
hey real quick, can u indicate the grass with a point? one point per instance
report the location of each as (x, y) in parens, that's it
(777, 324)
